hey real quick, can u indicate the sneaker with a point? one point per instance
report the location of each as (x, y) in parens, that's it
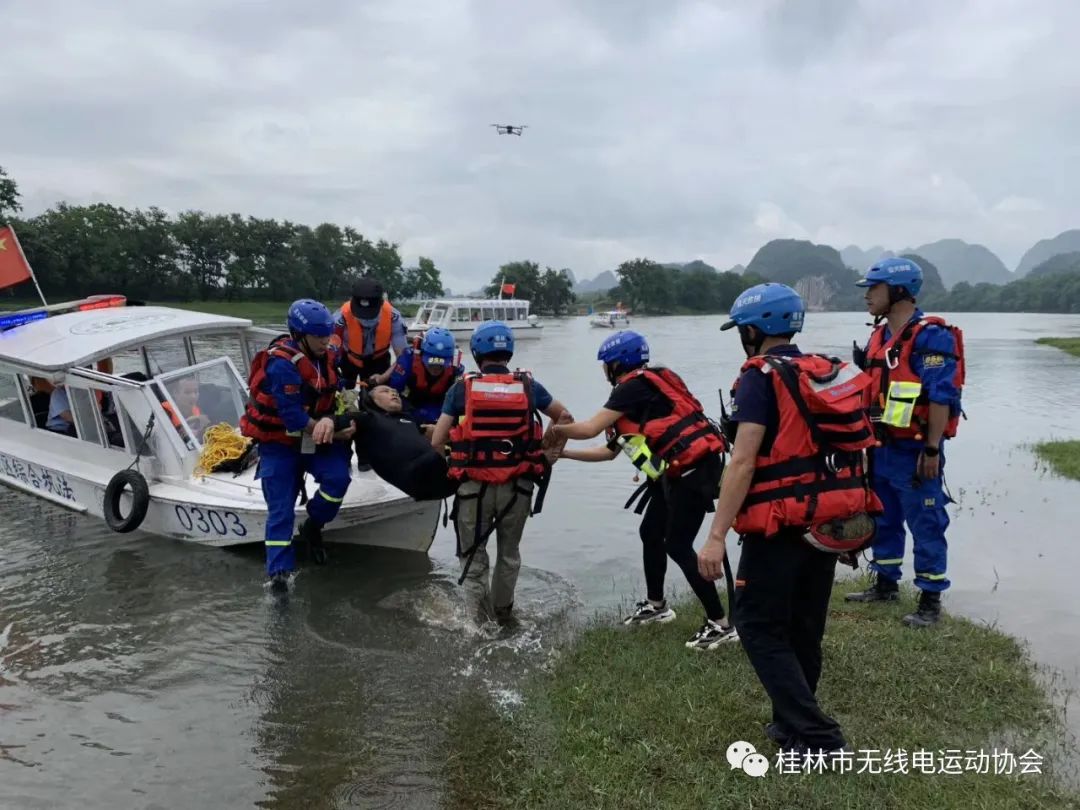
(646, 612)
(883, 590)
(712, 635)
(778, 733)
(928, 613)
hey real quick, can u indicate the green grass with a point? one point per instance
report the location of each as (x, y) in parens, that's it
(635, 720)
(1070, 345)
(1063, 457)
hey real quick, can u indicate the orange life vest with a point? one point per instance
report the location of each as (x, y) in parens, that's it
(815, 470)
(354, 331)
(261, 420)
(682, 438)
(890, 361)
(175, 417)
(499, 438)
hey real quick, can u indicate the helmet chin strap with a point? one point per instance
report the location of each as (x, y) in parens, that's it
(753, 347)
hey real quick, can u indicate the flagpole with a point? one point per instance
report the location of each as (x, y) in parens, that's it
(28, 267)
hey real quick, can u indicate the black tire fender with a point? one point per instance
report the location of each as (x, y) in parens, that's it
(140, 501)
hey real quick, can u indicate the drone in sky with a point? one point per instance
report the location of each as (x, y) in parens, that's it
(509, 129)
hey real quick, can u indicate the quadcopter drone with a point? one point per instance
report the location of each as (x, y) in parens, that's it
(509, 129)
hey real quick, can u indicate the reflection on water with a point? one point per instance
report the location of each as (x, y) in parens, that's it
(138, 671)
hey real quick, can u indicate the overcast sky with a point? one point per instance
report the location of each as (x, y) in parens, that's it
(674, 130)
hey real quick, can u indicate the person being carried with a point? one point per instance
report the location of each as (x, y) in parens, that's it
(490, 420)
(652, 417)
(424, 373)
(797, 464)
(366, 328)
(291, 414)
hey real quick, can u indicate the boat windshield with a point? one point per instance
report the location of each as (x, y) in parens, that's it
(199, 396)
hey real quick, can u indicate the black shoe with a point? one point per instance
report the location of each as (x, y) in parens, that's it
(883, 590)
(311, 534)
(928, 613)
(778, 734)
(505, 615)
(279, 583)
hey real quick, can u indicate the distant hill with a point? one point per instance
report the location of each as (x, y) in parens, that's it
(570, 274)
(602, 283)
(1065, 242)
(933, 289)
(860, 259)
(1061, 263)
(684, 267)
(958, 261)
(817, 272)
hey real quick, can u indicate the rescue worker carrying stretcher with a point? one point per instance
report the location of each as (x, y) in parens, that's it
(365, 329)
(653, 418)
(795, 481)
(490, 419)
(916, 363)
(424, 373)
(291, 415)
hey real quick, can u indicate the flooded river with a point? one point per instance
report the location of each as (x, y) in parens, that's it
(141, 672)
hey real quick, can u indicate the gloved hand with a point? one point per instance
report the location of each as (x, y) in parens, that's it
(858, 355)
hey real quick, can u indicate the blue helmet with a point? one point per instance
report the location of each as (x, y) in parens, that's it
(625, 348)
(490, 337)
(775, 309)
(896, 273)
(437, 343)
(307, 317)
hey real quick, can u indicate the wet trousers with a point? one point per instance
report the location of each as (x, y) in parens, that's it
(472, 510)
(781, 604)
(280, 471)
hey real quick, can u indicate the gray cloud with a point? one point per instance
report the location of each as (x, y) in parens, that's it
(673, 130)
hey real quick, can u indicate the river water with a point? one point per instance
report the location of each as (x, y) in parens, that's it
(141, 672)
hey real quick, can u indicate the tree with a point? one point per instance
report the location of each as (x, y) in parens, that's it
(556, 292)
(422, 281)
(9, 197)
(523, 274)
(645, 285)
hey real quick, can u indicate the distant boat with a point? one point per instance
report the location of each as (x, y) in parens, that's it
(612, 319)
(461, 315)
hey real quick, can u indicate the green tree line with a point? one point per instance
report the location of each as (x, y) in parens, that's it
(78, 250)
(550, 292)
(648, 287)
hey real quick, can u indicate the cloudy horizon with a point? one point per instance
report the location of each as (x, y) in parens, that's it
(676, 130)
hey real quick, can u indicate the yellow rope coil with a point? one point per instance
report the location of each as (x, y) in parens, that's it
(221, 443)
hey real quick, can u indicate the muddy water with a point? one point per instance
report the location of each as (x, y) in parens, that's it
(141, 672)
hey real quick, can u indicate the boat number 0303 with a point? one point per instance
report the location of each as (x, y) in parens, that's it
(210, 521)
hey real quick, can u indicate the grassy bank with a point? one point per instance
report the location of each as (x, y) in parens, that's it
(634, 720)
(1062, 456)
(1070, 345)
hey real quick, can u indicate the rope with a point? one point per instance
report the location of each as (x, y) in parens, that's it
(221, 443)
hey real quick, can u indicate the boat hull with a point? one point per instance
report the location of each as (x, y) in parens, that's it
(465, 331)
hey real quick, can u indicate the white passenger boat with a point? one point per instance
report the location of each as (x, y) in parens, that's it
(462, 315)
(613, 319)
(123, 433)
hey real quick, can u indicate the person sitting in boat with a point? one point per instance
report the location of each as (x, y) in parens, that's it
(291, 414)
(186, 395)
(60, 419)
(365, 329)
(424, 373)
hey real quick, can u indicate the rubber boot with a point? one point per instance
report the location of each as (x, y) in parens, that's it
(883, 590)
(928, 611)
(311, 534)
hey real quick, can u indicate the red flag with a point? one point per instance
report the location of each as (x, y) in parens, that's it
(14, 268)
(508, 289)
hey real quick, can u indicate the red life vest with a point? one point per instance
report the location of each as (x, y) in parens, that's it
(425, 386)
(499, 438)
(682, 438)
(890, 361)
(815, 470)
(261, 420)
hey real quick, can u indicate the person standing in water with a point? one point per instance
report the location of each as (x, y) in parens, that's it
(652, 416)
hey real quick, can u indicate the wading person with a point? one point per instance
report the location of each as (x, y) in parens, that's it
(916, 363)
(796, 468)
(291, 414)
(490, 419)
(653, 417)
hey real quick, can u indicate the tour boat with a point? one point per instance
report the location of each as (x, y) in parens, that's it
(614, 319)
(462, 315)
(127, 460)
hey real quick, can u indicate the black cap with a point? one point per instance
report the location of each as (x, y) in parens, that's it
(367, 297)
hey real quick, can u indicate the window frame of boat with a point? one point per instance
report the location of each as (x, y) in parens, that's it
(162, 380)
(88, 379)
(22, 385)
